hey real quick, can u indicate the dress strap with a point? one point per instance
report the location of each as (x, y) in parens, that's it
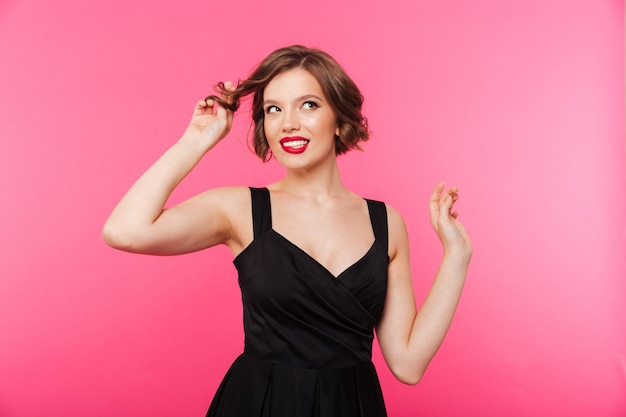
(378, 217)
(261, 210)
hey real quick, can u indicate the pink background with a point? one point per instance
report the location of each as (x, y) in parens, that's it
(520, 103)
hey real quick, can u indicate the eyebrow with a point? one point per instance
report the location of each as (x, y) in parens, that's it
(301, 98)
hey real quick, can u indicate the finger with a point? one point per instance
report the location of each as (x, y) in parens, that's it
(436, 195)
(213, 107)
(228, 88)
(209, 104)
(455, 198)
(446, 208)
(434, 204)
(220, 111)
(225, 115)
(200, 108)
(452, 191)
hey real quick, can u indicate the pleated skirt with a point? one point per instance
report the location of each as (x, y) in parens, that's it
(259, 388)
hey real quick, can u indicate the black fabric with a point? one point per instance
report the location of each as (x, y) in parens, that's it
(308, 334)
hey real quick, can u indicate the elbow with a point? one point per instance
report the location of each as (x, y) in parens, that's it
(113, 236)
(130, 239)
(408, 374)
(409, 378)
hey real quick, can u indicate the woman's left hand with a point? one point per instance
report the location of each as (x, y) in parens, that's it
(443, 218)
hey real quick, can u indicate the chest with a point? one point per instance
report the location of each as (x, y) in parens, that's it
(335, 235)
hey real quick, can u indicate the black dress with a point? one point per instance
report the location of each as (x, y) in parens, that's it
(308, 334)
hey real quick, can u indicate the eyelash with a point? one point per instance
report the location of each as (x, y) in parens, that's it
(273, 109)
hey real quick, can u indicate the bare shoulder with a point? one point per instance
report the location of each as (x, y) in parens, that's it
(393, 215)
(235, 206)
(225, 197)
(398, 238)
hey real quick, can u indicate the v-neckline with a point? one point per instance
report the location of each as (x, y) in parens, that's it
(322, 266)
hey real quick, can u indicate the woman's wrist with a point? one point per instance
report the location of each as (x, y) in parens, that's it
(457, 256)
(194, 143)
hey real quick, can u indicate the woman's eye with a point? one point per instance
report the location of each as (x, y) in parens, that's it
(309, 105)
(271, 109)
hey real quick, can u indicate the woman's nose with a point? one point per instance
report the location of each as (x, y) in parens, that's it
(290, 121)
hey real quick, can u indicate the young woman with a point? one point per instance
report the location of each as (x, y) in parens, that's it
(319, 267)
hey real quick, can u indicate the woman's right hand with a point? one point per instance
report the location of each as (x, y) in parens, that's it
(210, 122)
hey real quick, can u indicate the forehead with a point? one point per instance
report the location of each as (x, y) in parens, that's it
(293, 83)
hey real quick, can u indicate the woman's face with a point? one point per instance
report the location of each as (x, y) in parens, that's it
(300, 124)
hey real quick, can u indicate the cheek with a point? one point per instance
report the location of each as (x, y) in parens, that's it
(272, 130)
(320, 123)
(269, 126)
(331, 126)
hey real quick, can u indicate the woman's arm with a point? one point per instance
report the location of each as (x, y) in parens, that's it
(410, 338)
(139, 223)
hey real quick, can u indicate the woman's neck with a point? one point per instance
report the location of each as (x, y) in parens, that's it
(324, 181)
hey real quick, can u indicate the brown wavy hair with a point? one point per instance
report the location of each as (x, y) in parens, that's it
(344, 96)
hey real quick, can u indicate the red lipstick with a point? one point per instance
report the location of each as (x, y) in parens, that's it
(294, 144)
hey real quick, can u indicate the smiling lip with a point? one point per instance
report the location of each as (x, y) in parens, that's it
(294, 144)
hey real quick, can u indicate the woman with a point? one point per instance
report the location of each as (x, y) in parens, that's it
(319, 267)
